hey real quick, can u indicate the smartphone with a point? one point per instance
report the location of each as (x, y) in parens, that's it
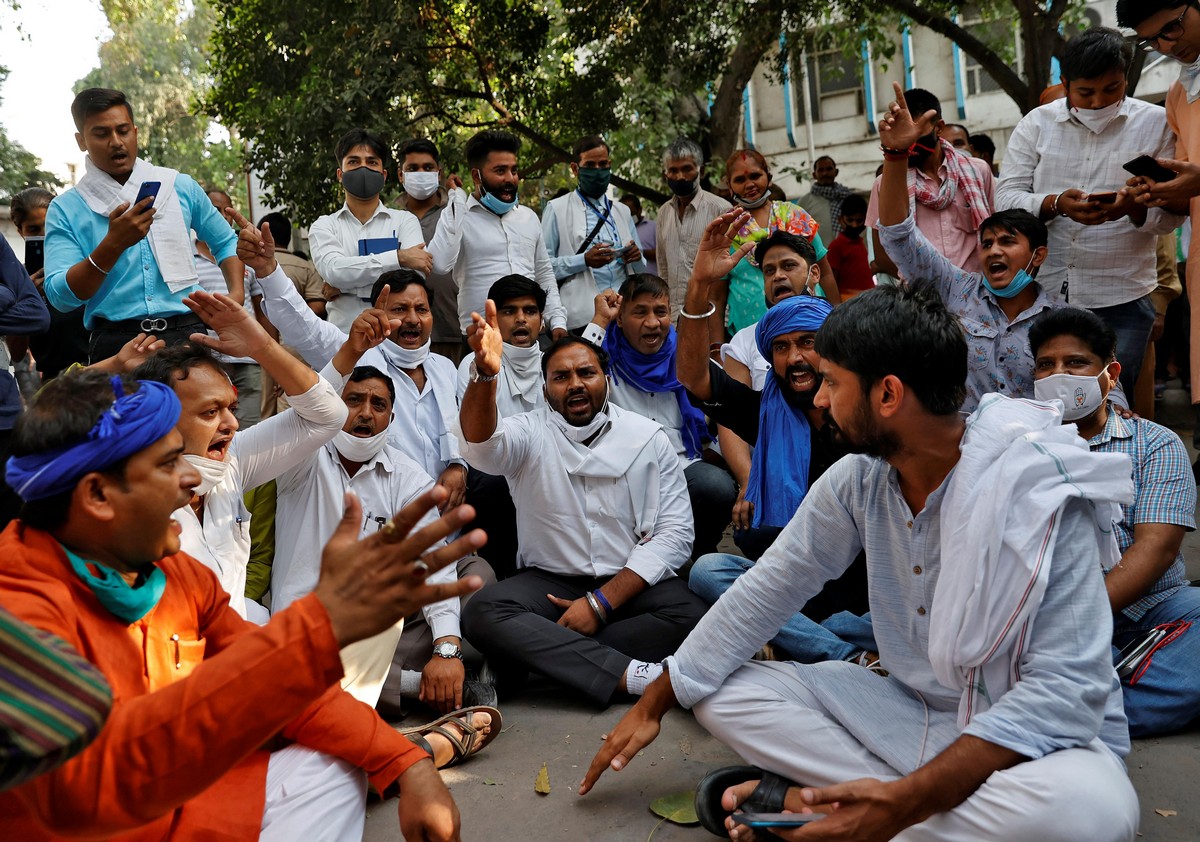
(1106, 198)
(35, 254)
(1147, 167)
(150, 189)
(776, 819)
(1131, 657)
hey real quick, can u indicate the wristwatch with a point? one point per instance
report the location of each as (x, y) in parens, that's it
(476, 377)
(447, 649)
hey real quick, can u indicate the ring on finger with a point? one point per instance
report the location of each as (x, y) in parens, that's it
(390, 530)
(420, 567)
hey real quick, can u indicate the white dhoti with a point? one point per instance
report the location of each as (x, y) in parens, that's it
(366, 664)
(780, 717)
(344, 309)
(313, 796)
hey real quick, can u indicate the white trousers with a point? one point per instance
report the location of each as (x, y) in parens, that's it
(344, 309)
(313, 796)
(366, 664)
(775, 723)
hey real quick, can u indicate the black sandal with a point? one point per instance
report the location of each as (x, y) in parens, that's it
(768, 797)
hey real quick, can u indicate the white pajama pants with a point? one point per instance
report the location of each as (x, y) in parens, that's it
(774, 722)
(313, 796)
(344, 309)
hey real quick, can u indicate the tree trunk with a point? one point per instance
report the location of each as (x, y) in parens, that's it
(725, 118)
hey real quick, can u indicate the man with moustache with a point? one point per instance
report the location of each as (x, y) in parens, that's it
(603, 523)
(634, 328)
(489, 234)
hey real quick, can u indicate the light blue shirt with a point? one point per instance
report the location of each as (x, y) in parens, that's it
(609, 276)
(1066, 696)
(134, 288)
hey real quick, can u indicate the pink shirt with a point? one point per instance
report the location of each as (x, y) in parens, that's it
(951, 231)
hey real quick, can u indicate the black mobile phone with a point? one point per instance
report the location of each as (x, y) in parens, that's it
(148, 188)
(776, 819)
(1106, 198)
(1147, 167)
(35, 254)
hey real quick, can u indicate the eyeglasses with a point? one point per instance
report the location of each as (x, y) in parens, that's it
(1169, 33)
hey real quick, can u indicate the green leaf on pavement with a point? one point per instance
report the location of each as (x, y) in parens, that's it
(679, 808)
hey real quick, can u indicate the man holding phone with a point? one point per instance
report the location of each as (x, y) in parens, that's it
(119, 245)
(1065, 164)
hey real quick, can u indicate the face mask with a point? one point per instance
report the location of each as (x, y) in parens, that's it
(358, 449)
(363, 182)
(581, 434)
(1097, 119)
(1020, 280)
(421, 185)
(683, 186)
(757, 203)
(491, 202)
(1080, 394)
(211, 471)
(405, 358)
(854, 231)
(593, 183)
(124, 601)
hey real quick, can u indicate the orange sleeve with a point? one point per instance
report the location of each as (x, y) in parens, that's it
(161, 749)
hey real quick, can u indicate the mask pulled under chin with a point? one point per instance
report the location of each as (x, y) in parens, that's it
(212, 471)
(752, 204)
(493, 202)
(405, 358)
(1020, 280)
(1079, 393)
(1097, 119)
(358, 449)
(581, 434)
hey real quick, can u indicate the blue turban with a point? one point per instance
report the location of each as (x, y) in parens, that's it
(131, 424)
(779, 470)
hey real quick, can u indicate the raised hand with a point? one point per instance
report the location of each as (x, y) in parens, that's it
(238, 333)
(899, 129)
(606, 308)
(483, 335)
(713, 259)
(255, 248)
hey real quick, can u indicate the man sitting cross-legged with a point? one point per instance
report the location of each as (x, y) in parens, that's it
(200, 695)
(989, 608)
(603, 523)
(1075, 362)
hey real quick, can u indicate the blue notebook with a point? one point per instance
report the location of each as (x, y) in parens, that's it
(377, 245)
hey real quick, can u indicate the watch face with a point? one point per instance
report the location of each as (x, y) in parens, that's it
(446, 650)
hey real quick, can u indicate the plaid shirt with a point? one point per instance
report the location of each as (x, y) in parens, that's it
(1164, 491)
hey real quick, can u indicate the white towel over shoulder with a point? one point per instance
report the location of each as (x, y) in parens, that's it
(1000, 517)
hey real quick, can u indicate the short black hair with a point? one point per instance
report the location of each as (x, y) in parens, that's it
(1093, 53)
(983, 143)
(516, 286)
(399, 280)
(61, 414)
(853, 204)
(788, 240)
(93, 101)
(633, 201)
(418, 146)
(1083, 324)
(643, 283)
(370, 372)
(960, 127)
(920, 100)
(586, 144)
(1132, 12)
(175, 362)
(488, 141)
(905, 331)
(821, 158)
(29, 199)
(566, 342)
(361, 137)
(1017, 221)
(281, 228)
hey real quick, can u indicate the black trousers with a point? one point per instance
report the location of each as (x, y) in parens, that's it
(516, 628)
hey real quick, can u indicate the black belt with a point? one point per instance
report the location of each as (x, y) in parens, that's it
(150, 324)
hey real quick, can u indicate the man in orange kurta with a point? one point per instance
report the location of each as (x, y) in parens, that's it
(200, 695)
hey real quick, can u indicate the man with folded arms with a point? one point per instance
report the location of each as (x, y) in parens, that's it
(199, 692)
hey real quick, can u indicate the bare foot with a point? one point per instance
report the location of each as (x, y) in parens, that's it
(443, 750)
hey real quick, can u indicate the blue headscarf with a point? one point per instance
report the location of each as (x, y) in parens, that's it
(656, 373)
(779, 470)
(132, 423)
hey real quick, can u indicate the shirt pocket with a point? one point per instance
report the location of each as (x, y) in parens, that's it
(981, 339)
(173, 657)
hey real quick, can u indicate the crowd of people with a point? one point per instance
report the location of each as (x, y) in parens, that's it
(264, 512)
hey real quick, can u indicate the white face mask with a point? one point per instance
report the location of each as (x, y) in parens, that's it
(211, 471)
(404, 358)
(1097, 119)
(1079, 394)
(358, 449)
(420, 185)
(581, 434)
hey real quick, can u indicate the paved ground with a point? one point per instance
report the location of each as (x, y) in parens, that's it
(496, 797)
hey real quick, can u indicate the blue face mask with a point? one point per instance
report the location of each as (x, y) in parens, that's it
(494, 203)
(1021, 280)
(124, 601)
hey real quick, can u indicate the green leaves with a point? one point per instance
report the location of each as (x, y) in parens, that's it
(679, 807)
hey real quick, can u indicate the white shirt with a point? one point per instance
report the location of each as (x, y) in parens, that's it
(480, 248)
(334, 238)
(587, 525)
(257, 455)
(421, 421)
(309, 507)
(507, 403)
(211, 279)
(1051, 151)
(744, 349)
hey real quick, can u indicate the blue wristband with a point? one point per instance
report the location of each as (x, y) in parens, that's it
(600, 598)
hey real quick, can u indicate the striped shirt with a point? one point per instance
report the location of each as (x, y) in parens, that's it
(1164, 491)
(678, 240)
(52, 701)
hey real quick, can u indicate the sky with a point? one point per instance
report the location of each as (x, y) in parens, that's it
(47, 45)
